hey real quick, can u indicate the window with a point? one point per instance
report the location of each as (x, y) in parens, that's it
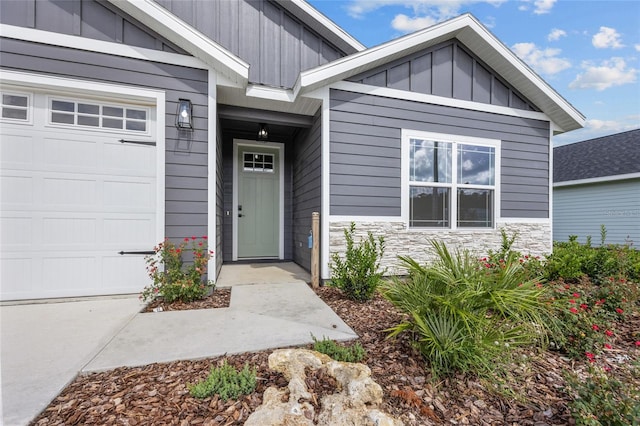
(450, 181)
(257, 162)
(91, 114)
(15, 106)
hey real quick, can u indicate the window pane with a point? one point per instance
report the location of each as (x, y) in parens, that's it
(475, 208)
(429, 207)
(476, 165)
(63, 106)
(112, 123)
(429, 161)
(15, 100)
(137, 114)
(58, 117)
(112, 111)
(84, 120)
(16, 114)
(88, 109)
(138, 126)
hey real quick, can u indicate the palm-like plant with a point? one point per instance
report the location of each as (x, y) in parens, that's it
(462, 315)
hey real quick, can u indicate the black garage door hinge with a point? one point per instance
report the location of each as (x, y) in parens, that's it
(153, 143)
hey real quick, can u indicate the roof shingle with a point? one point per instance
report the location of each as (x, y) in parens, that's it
(611, 155)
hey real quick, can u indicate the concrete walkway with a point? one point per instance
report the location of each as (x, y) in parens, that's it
(45, 345)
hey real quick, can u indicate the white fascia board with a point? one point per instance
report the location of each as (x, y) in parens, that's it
(600, 179)
(99, 46)
(271, 93)
(184, 35)
(309, 11)
(435, 100)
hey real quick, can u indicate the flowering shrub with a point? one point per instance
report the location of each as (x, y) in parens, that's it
(172, 278)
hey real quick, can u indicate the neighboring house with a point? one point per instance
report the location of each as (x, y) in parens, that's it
(443, 133)
(597, 182)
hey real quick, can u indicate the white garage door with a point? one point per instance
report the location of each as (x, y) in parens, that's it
(73, 196)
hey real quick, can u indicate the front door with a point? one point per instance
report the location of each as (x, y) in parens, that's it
(258, 202)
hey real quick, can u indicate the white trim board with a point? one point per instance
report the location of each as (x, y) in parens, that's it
(602, 179)
(234, 211)
(325, 194)
(212, 184)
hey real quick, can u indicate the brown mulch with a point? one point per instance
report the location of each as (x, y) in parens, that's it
(220, 298)
(157, 394)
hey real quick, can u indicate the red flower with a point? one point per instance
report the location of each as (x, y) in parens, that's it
(200, 243)
(590, 356)
(638, 343)
(595, 327)
(618, 310)
(573, 310)
(193, 237)
(576, 294)
(609, 333)
(204, 237)
(584, 306)
(607, 346)
(186, 240)
(600, 302)
(178, 251)
(572, 301)
(567, 286)
(607, 368)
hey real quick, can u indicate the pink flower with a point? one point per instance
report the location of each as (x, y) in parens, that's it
(638, 343)
(618, 310)
(595, 327)
(607, 346)
(576, 294)
(607, 368)
(609, 333)
(573, 310)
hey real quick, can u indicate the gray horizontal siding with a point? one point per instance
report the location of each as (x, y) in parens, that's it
(186, 160)
(365, 175)
(84, 18)
(580, 210)
(307, 188)
(449, 70)
(276, 45)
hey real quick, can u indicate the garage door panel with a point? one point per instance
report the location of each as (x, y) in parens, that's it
(71, 200)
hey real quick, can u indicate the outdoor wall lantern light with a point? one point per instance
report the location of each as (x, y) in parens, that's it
(263, 133)
(184, 115)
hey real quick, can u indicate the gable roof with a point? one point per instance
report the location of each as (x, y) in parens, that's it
(473, 35)
(615, 155)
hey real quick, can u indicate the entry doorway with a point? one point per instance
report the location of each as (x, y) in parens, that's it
(258, 200)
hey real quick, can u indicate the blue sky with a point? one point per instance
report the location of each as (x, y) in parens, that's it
(588, 51)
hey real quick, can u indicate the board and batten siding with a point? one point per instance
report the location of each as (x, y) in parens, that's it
(219, 248)
(365, 150)
(186, 153)
(581, 209)
(84, 18)
(307, 188)
(450, 70)
(276, 45)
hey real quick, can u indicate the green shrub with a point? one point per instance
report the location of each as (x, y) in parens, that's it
(355, 353)
(226, 382)
(465, 314)
(603, 400)
(359, 274)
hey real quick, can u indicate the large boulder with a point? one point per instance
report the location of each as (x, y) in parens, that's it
(354, 403)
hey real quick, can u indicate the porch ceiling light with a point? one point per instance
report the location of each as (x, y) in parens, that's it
(263, 133)
(184, 115)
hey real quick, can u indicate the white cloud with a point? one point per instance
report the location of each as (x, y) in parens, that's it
(607, 38)
(543, 6)
(555, 34)
(544, 61)
(406, 24)
(595, 128)
(609, 73)
(637, 46)
(438, 10)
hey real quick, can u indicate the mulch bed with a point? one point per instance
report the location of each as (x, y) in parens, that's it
(157, 394)
(220, 298)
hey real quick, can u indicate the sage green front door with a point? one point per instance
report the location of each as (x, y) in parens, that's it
(258, 202)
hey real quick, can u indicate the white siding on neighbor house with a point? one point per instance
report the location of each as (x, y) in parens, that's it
(581, 209)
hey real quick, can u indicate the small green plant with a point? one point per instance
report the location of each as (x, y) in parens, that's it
(172, 278)
(601, 400)
(355, 353)
(359, 273)
(226, 382)
(464, 314)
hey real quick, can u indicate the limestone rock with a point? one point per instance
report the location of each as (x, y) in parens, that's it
(353, 403)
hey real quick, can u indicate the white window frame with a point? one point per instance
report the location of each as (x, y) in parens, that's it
(29, 107)
(100, 115)
(455, 140)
